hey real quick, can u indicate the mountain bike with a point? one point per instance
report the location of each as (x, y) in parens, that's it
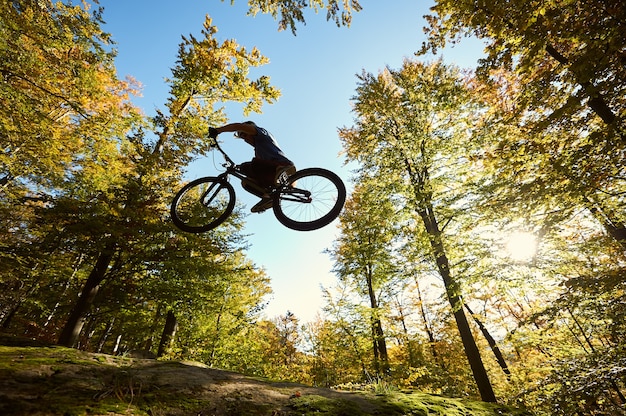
(306, 200)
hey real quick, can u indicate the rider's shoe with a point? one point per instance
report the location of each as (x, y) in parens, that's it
(262, 205)
(283, 173)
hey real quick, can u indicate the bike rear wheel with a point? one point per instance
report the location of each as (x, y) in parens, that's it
(312, 198)
(203, 204)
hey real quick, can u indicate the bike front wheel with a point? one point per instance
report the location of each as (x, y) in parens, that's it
(312, 198)
(203, 204)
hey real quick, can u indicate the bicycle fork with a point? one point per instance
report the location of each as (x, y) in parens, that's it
(211, 193)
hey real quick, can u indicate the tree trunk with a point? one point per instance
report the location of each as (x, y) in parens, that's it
(169, 331)
(420, 182)
(76, 320)
(492, 343)
(378, 336)
(105, 335)
(596, 100)
(8, 316)
(66, 287)
(407, 339)
(427, 328)
(216, 338)
(454, 297)
(379, 344)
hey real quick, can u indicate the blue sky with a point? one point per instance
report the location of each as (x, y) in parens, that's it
(315, 72)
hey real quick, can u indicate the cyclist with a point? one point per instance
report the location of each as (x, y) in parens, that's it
(269, 160)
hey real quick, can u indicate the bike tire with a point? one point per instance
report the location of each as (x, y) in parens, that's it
(202, 204)
(327, 194)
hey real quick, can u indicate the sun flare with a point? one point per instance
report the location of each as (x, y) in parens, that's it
(521, 246)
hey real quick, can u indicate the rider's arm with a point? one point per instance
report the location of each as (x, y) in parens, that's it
(244, 127)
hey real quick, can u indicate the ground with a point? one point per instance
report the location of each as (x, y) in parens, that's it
(52, 380)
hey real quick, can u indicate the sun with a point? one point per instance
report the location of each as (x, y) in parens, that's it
(521, 246)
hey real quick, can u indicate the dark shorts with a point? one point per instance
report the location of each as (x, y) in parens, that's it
(262, 171)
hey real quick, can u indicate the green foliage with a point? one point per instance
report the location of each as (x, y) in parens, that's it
(290, 13)
(100, 200)
(206, 75)
(556, 83)
(54, 126)
(488, 169)
(408, 131)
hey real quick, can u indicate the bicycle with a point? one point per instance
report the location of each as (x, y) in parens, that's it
(306, 200)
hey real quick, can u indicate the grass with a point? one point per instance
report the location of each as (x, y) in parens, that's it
(62, 381)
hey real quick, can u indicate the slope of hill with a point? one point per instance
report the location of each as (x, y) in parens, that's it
(51, 380)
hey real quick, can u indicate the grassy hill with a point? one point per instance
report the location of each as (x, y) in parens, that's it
(51, 380)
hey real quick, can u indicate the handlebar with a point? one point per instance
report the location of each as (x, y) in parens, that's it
(216, 144)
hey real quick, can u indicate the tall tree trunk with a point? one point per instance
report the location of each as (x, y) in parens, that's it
(452, 291)
(492, 343)
(8, 317)
(427, 327)
(420, 182)
(378, 335)
(10, 314)
(66, 286)
(76, 320)
(407, 339)
(105, 335)
(169, 331)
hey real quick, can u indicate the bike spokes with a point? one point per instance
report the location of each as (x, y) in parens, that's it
(314, 203)
(203, 204)
(295, 195)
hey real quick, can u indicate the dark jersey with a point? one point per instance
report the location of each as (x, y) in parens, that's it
(266, 148)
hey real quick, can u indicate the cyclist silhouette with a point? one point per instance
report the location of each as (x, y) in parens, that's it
(269, 160)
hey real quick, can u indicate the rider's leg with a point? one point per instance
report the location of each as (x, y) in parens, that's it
(263, 175)
(253, 187)
(251, 183)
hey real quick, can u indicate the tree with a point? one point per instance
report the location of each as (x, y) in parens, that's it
(206, 73)
(584, 41)
(407, 124)
(290, 13)
(62, 124)
(566, 98)
(62, 103)
(98, 193)
(336, 355)
(216, 299)
(554, 85)
(363, 258)
(346, 324)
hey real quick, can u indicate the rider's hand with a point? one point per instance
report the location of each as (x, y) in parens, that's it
(213, 132)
